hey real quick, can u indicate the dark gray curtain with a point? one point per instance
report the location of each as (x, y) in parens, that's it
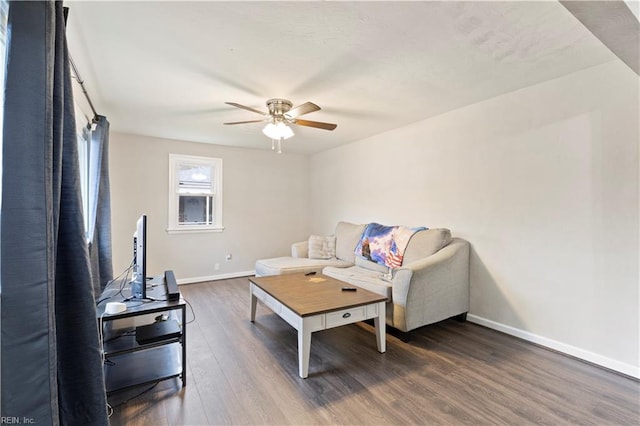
(51, 363)
(100, 207)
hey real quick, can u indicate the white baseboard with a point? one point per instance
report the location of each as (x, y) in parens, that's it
(603, 361)
(215, 277)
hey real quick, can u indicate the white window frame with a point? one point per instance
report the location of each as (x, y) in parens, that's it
(84, 150)
(175, 160)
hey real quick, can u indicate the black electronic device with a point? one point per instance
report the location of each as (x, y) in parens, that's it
(172, 286)
(349, 289)
(158, 331)
(139, 282)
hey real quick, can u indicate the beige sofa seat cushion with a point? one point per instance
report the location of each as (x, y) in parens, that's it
(292, 265)
(367, 279)
(425, 243)
(347, 237)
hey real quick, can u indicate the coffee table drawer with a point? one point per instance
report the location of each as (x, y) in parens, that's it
(346, 316)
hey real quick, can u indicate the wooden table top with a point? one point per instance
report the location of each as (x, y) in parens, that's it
(314, 294)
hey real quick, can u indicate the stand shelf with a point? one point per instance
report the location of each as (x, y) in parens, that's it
(143, 367)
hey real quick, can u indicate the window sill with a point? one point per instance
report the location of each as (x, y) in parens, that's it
(195, 230)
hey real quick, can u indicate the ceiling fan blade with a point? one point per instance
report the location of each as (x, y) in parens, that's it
(246, 107)
(245, 122)
(316, 124)
(305, 108)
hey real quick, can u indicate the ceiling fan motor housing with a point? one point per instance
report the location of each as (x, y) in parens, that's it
(278, 107)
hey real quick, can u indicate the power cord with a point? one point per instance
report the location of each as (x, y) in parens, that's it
(132, 398)
(124, 280)
(192, 311)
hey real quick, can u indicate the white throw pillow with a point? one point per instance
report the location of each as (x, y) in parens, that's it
(322, 247)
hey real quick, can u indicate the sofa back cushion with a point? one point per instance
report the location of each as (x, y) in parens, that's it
(425, 243)
(347, 237)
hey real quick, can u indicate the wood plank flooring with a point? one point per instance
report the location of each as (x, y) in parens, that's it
(450, 373)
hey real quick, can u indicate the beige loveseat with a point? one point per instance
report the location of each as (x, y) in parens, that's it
(431, 285)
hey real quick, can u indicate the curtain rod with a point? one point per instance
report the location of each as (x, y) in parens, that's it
(77, 74)
(84, 90)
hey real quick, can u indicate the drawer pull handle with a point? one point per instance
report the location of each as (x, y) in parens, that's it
(346, 315)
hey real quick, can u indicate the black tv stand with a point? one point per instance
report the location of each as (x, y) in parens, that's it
(129, 363)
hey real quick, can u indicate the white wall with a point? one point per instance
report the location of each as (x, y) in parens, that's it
(544, 184)
(266, 207)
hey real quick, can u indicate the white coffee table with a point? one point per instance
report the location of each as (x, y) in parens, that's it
(317, 302)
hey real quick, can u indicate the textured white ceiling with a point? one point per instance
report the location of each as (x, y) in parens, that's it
(165, 69)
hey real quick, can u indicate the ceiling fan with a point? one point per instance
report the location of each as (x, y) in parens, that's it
(280, 114)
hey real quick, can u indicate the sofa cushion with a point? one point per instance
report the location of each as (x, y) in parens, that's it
(322, 247)
(425, 243)
(291, 265)
(372, 266)
(300, 249)
(347, 237)
(369, 280)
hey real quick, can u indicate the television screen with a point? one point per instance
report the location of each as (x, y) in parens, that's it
(139, 282)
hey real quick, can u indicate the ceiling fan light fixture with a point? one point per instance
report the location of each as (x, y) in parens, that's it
(277, 131)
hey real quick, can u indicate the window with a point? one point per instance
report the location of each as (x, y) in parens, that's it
(195, 194)
(83, 137)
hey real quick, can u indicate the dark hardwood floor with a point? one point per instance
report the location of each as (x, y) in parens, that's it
(449, 373)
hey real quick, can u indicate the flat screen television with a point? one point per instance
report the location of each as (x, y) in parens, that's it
(139, 282)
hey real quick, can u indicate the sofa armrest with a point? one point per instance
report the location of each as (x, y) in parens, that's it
(300, 249)
(438, 288)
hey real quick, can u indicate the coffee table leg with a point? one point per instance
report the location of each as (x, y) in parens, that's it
(381, 327)
(254, 302)
(304, 350)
